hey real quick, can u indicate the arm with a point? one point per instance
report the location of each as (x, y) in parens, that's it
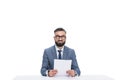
(75, 66)
(45, 63)
(46, 69)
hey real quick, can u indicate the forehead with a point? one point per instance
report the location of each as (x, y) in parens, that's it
(60, 33)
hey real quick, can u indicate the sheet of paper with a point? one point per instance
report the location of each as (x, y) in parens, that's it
(62, 66)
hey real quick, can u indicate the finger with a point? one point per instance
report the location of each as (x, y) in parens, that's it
(55, 70)
(66, 71)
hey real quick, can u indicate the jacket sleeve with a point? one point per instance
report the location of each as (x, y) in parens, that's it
(44, 67)
(74, 63)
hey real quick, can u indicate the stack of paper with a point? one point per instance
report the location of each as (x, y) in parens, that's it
(62, 66)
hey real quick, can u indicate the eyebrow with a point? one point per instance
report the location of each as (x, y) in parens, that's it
(60, 35)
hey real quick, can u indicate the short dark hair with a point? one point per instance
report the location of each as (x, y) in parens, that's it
(59, 29)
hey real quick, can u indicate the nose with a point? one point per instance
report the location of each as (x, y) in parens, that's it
(60, 39)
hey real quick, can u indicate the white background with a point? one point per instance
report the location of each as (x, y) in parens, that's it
(26, 29)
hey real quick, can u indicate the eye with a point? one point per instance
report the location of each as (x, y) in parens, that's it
(57, 36)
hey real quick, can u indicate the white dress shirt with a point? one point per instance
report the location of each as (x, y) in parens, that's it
(58, 52)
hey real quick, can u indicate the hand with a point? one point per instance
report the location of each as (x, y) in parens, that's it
(71, 73)
(52, 73)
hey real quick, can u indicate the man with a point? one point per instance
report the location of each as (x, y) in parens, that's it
(59, 51)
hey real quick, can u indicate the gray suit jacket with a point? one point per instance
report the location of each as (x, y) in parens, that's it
(50, 54)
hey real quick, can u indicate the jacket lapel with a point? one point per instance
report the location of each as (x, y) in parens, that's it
(54, 52)
(65, 53)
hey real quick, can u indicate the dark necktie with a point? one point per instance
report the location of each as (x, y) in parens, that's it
(59, 56)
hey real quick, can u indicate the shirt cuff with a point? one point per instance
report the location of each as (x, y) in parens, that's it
(46, 72)
(76, 73)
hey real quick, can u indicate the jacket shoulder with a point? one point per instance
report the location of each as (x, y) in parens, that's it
(50, 48)
(68, 48)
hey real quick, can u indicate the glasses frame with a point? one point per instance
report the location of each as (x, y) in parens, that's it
(58, 37)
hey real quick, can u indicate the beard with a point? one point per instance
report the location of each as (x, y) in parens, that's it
(60, 44)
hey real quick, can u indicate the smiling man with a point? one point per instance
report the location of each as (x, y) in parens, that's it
(59, 51)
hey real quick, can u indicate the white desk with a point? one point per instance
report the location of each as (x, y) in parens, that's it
(83, 77)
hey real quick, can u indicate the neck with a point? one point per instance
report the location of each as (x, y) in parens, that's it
(60, 47)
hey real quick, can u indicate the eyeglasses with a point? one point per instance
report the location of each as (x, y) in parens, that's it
(58, 37)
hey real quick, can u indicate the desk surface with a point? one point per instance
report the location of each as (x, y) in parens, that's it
(83, 77)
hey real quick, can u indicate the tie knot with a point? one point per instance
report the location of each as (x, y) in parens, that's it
(59, 51)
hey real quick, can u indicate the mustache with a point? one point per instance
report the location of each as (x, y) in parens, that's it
(60, 44)
(59, 40)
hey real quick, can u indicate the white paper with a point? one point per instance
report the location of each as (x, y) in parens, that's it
(62, 66)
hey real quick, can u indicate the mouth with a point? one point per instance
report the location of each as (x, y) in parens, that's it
(60, 41)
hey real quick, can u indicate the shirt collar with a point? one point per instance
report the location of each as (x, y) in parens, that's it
(58, 48)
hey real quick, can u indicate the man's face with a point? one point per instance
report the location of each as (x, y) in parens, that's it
(60, 38)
